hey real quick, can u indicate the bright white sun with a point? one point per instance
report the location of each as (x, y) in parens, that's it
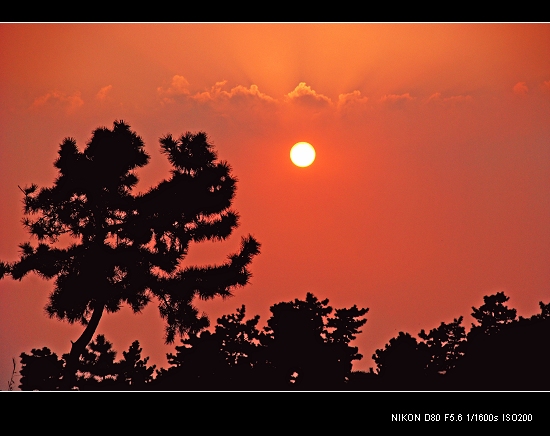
(302, 154)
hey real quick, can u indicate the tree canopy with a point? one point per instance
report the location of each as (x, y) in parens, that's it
(127, 247)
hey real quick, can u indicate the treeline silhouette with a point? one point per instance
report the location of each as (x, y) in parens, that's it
(128, 248)
(306, 346)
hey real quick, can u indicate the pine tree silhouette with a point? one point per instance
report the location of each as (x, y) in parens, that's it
(301, 348)
(401, 363)
(127, 248)
(307, 349)
(223, 359)
(493, 314)
(445, 345)
(132, 370)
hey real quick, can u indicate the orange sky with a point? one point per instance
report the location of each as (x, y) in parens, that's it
(431, 186)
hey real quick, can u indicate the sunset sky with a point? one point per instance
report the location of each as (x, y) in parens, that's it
(430, 189)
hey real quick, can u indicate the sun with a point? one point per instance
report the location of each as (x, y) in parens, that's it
(302, 154)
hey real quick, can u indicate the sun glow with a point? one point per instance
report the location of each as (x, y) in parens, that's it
(302, 154)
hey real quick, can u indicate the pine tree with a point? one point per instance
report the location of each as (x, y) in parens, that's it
(401, 363)
(493, 314)
(223, 359)
(128, 248)
(300, 348)
(97, 365)
(445, 345)
(132, 370)
(309, 349)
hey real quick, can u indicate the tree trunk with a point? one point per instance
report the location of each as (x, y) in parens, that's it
(69, 377)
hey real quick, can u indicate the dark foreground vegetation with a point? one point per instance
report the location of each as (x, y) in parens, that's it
(306, 346)
(128, 249)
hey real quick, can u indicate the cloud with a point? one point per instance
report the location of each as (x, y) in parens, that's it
(178, 87)
(253, 91)
(396, 101)
(394, 98)
(520, 88)
(102, 94)
(351, 98)
(305, 95)
(436, 98)
(238, 93)
(55, 98)
(213, 94)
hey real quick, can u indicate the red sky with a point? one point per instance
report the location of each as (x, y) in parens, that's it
(431, 186)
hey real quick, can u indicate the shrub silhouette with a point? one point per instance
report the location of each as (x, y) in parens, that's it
(96, 369)
(41, 370)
